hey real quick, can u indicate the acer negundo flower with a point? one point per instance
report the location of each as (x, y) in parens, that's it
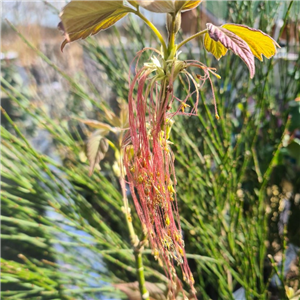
(147, 153)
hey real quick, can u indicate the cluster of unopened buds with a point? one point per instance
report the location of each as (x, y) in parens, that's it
(152, 105)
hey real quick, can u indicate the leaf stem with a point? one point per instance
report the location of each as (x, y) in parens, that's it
(155, 30)
(172, 33)
(191, 37)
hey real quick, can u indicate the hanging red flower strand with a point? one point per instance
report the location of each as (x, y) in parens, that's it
(148, 157)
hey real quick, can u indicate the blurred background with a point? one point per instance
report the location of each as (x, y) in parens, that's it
(63, 234)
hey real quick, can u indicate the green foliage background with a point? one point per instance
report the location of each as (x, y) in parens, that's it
(63, 233)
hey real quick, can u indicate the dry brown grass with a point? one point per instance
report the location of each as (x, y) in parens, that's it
(48, 41)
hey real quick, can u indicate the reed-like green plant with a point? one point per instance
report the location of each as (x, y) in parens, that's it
(223, 169)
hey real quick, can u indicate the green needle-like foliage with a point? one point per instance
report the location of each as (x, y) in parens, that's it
(64, 233)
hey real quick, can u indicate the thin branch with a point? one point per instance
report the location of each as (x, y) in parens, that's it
(191, 38)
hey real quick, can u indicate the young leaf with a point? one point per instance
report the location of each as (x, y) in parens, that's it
(96, 148)
(260, 43)
(215, 48)
(233, 42)
(179, 5)
(79, 19)
(190, 5)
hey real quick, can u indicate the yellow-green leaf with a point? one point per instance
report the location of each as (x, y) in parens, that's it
(79, 19)
(190, 5)
(215, 48)
(233, 42)
(260, 43)
(178, 5)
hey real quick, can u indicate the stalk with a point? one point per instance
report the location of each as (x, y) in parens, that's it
(140, 273)
(135, 242)
(164, 84)
(155, 31)
(191, 38)
(172, 35)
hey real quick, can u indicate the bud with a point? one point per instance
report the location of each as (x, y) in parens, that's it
(170, 23)
(179, 66)
(169, 124)
(116, 169)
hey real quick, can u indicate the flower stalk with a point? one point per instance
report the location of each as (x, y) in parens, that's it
(140, 274)
(135, 242)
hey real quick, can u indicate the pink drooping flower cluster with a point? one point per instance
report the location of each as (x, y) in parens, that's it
(149, 160)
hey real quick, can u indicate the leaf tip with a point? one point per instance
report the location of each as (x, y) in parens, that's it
(61, 27)
(91, 170)
(63, 44)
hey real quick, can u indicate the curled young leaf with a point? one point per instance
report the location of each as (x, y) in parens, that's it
(79, 19)
(96, 148)
(230, 41)
(259, 42)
